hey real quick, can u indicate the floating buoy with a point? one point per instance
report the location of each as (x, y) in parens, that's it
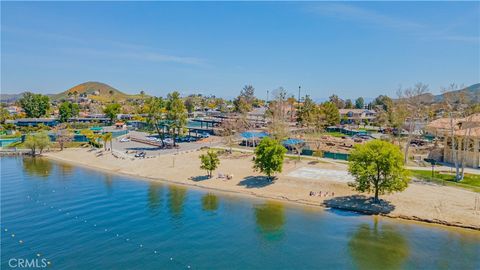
(13, 235)
(20, 241)
(38, 254)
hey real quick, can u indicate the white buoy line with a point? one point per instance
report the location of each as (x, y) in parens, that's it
(122, 237)
(9, 234)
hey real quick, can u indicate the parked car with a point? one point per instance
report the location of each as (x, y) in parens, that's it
(125, 140)
(204, 135)
(168, 141)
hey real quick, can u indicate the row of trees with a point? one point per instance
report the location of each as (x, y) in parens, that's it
(269, 156)
(169, 114)
(377, 166)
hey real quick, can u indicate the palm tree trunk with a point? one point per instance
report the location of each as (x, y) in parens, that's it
(159, 134)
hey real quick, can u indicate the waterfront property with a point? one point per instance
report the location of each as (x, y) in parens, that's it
(76, 218)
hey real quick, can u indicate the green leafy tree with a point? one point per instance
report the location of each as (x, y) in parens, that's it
(92, 137)
(248, 93)
(269, 156)
(4, 115)
(38, 141)
(67, 110)
(378, 167)
(359, 103)
(339, 103)
(35, 105)
(176, 114)
(330, 114)
(155, 109)
(241, 105)
(307, 113)
(111, 111)
(348, 104)
(189, 104)
(209, 162)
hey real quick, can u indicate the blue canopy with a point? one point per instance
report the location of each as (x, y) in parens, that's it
(293, 141)
(251, 135)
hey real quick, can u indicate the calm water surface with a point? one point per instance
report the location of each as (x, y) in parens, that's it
(82, 219)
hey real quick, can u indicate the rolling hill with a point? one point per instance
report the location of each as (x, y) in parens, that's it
(96, 91)
(471, 94)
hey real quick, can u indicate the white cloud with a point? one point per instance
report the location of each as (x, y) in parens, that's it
(367, 16)
(355, 13)
(109, 48)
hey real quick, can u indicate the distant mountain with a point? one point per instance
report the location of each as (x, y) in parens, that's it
(95, 90)
(10, 98)
(471, 94)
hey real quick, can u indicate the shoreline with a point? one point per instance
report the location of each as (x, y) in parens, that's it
(235, 191)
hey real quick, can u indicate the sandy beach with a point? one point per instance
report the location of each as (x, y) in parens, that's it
(421, 201)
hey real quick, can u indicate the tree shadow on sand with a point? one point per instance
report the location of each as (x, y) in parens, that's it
(199, 178)
(360, 203)
(255, 182)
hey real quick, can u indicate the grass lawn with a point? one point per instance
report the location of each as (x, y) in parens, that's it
(335, 134)
(470, 181)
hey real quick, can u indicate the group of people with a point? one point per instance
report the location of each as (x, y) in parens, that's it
(320, 194)
(225, 176)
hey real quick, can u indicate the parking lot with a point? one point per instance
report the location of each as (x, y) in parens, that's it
(131, 148)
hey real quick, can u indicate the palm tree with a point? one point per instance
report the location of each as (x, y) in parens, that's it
(75, 93)
(291, 101)
(107, 137)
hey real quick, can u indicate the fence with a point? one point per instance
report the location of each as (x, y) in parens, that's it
(331, 155)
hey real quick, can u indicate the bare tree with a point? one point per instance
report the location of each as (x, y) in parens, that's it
(452, 106)
(63, 135)
(467, 143)
(229, 130)
(413, 100)
(277, 113)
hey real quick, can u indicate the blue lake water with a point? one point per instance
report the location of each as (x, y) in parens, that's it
(77, 218)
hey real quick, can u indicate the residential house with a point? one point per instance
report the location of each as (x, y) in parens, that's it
(350, 116)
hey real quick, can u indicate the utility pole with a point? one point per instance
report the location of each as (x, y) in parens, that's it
(267, 96)
(299, 87)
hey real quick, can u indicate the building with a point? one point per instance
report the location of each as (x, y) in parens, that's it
(350, 116)
(14, 110)
(469, 137)
(466, 135)
(33, 122)
(102, 120)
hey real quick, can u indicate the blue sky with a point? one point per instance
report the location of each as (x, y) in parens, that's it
(348, 48)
